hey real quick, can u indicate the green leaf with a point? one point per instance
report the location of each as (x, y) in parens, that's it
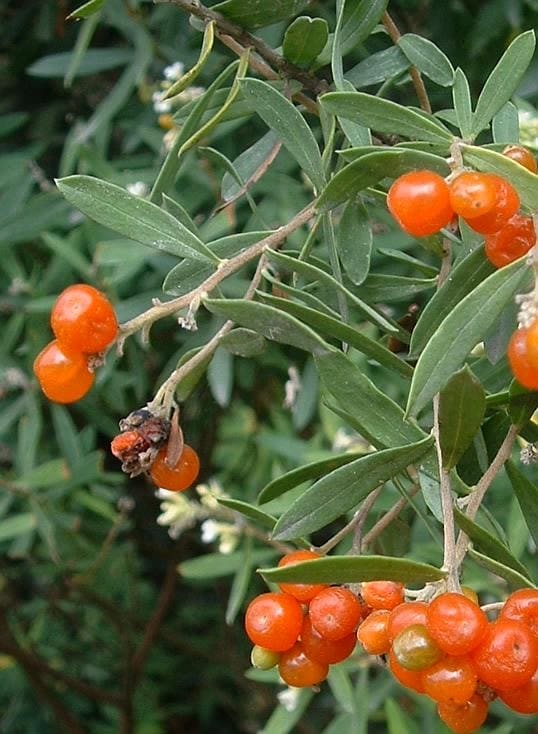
(95, 60)
(240, 583)
(527, 495)
(360, 19)
(80, 50)
(305, 39)
(411, 160)
(515, 579)
(464, 278)
(505, 125)
(388, 288)
(462, 405)
(461, 96)
(220, 377)
(250, 165)
(17, 525)
(256, 14)
(504, 79)
(316, 274)
(282, 720)
(378, 67)
(87, 9)
(461, 330)
(243, 342)
(354, 241)
(380, 420)
(398, 722)
(485, 542)
(354, 569)
(217, 565)
(281, 116)
(269, 322)
(188, 78)
(294, 478)
(428, 58)
(359, 175)
(253, 513)
(132, 217)
(526, 183)
(336, 329)
(344, 488)
(522, 404)
(385, 116)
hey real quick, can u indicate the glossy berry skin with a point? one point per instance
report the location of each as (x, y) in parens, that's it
(506, 206)
(408, 678)
(335, 613)
(181, 476)
(298, 670)
(325, 651)
(263, 659)
(473, 194)
(404, 615)
(302, 592)
(524, 699)
(464, 719)
(415, 649)
(450, 680)
(420, 202)
(63, 374)
(83, 319)
(382, 594)
(456, 623)
(532, 345)
(511, 242)
(521, 155)
(523, 606)
(507, 656)
(273, 621)
(373, 632)
(518, 356)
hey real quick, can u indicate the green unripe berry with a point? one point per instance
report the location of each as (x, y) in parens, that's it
(415, 649)
(263, 659)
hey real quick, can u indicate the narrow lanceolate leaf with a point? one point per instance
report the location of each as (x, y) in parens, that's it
(377, 417)
(350, 570)
(217, 565)
(524, 181)
(188, 78)
(86, 10)
(305, 39)
(253, 513)
(256, 14)
(527, 495)
(428, 58)
(336, 329)
(282, 117)
(343, 489)
(17, 525)
(461, 96)
(505, 125)
(133, 217)
(250, 166)
(294, 478)
(269, 322)
(354, 241)
(380, 288)
(378, 67)
(504, 79)
(461, 330)
(243, 342)
(516, 580)
(385, 116)
(411, 159)
(463, 279)
(462, 404)
(485, 542)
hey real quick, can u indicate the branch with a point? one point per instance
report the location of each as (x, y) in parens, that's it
(387, 518)
(354, 525)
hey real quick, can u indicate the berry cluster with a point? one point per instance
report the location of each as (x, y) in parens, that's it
(84, 324)
(422, 202)
(446, 649)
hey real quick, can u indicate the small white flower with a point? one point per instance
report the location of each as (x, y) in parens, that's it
(138, 188)
(289, 698)
(190, 94)
(210, 494)
(292, 388)
(210, 531)
(177, 512)
(161, 105)
(174, 72)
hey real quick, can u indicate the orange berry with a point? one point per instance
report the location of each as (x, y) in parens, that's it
(373, 632)
(464, 719)
(63, 373)
(298, 670)
(524, 700)
(511, 242)
(273, 621)
(382, 594)
(532, 345)
(473, 194)
(408, 678)
(523, 156)
(335, 612)
(325, 651)
(179, 477)
(419, 201)
(505, 207)
(302, 592)
(507, 657)
(415, 648)
(456, 623)
(518, 356)
(450, 680)
(83, 319)
(523, 606)
(404, 615)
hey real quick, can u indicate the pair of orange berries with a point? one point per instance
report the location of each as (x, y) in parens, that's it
(84, 324)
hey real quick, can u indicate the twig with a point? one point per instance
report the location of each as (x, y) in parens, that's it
(226, 268)
(416, 77)
(357, 521)
(478, 494)
(387, 518)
